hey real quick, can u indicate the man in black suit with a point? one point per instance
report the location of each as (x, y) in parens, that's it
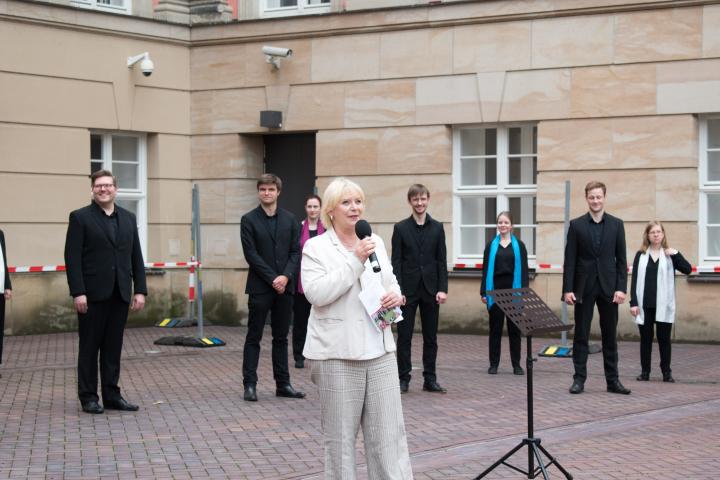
(419, 261)
(595, 272)
(271, 242)
(103, 260)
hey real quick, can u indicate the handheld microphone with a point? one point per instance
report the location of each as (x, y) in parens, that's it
(363, 230)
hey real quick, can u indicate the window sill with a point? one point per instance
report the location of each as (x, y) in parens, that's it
(704, 278)
(477, 273)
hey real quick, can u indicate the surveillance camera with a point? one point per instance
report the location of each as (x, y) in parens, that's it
(146, 67)
(276, 51)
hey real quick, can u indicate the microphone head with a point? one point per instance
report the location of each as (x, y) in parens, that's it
(362, 229)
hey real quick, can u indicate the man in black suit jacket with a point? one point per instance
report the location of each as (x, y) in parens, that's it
(5, 290)
(103, 260)
(271, 242)
(419, 261)
(595, 272)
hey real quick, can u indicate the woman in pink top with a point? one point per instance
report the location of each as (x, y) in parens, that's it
(311, 227)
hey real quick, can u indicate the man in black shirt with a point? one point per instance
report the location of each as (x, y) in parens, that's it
(595, 272)
(104, 262)
(271, 243)
(419, 262)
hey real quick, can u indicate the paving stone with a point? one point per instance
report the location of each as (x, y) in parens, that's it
(193, 423)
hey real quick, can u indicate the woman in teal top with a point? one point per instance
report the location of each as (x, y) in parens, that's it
(505, 265)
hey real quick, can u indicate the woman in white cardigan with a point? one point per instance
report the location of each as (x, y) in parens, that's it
(652, 300)
(352, 362)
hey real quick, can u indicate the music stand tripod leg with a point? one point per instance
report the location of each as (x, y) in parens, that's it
(554, 461)
(501, 461)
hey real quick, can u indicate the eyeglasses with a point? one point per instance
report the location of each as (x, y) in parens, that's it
(103, 186)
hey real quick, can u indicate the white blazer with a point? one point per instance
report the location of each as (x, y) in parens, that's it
(331, 280)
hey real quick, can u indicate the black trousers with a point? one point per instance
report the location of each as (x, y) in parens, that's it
(429, 312)
(2, 323)
(301, 313)
(497, 318)
(647, 331)
(608, 330)
(101, 331)
(280, 308)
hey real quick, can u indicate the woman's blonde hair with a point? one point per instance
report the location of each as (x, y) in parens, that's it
(646, 234)
(334, 194)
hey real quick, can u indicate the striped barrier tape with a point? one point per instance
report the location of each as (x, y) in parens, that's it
(556, 267)
(61, 268)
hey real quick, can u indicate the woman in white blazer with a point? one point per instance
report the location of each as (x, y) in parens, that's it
(652, 296)
(352, 363)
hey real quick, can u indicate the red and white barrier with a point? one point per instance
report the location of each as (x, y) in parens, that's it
(558, 268)
(61, 268)
(191, 287)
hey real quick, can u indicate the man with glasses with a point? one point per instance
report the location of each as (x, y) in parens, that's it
(104, 262)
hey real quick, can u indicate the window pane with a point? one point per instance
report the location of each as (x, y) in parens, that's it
(474, 239)
(713, 166)
(713, 241)
(478, 211)
(281, 3)
(96, 147)
(117, 3)
(127, 175)
(522, 140)
(478, 171)
(128, 204)
(523, 210)
(124, 148)
(478, 141)
(95, 166)
(317, 2)
(527, 235)
(713, 208)
(714, 133)
(523, 170)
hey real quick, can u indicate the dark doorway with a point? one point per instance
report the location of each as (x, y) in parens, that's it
(292, 158)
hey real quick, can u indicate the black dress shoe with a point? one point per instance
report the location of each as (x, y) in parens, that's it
(288, 391)
(120, 404)
(667, 377)
(404, 386)
(517, 370)
(492, 370)
(250, 394)
(433, 386)
(92, 407)
(643, 377)
(300, 363)
(577, 387)
(617, 387)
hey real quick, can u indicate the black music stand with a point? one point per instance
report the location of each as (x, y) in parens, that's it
(531, 315)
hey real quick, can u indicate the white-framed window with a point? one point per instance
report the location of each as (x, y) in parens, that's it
(282, 8)
(709, 215)
(124, 154)
(494, 170)
(116, 6)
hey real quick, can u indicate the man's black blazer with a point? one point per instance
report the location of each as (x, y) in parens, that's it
(94, 262)
(270, 255)
(583, 266)
(6, 272)
(414, 263)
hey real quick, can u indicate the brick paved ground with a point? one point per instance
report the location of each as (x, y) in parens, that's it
(194, 424)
